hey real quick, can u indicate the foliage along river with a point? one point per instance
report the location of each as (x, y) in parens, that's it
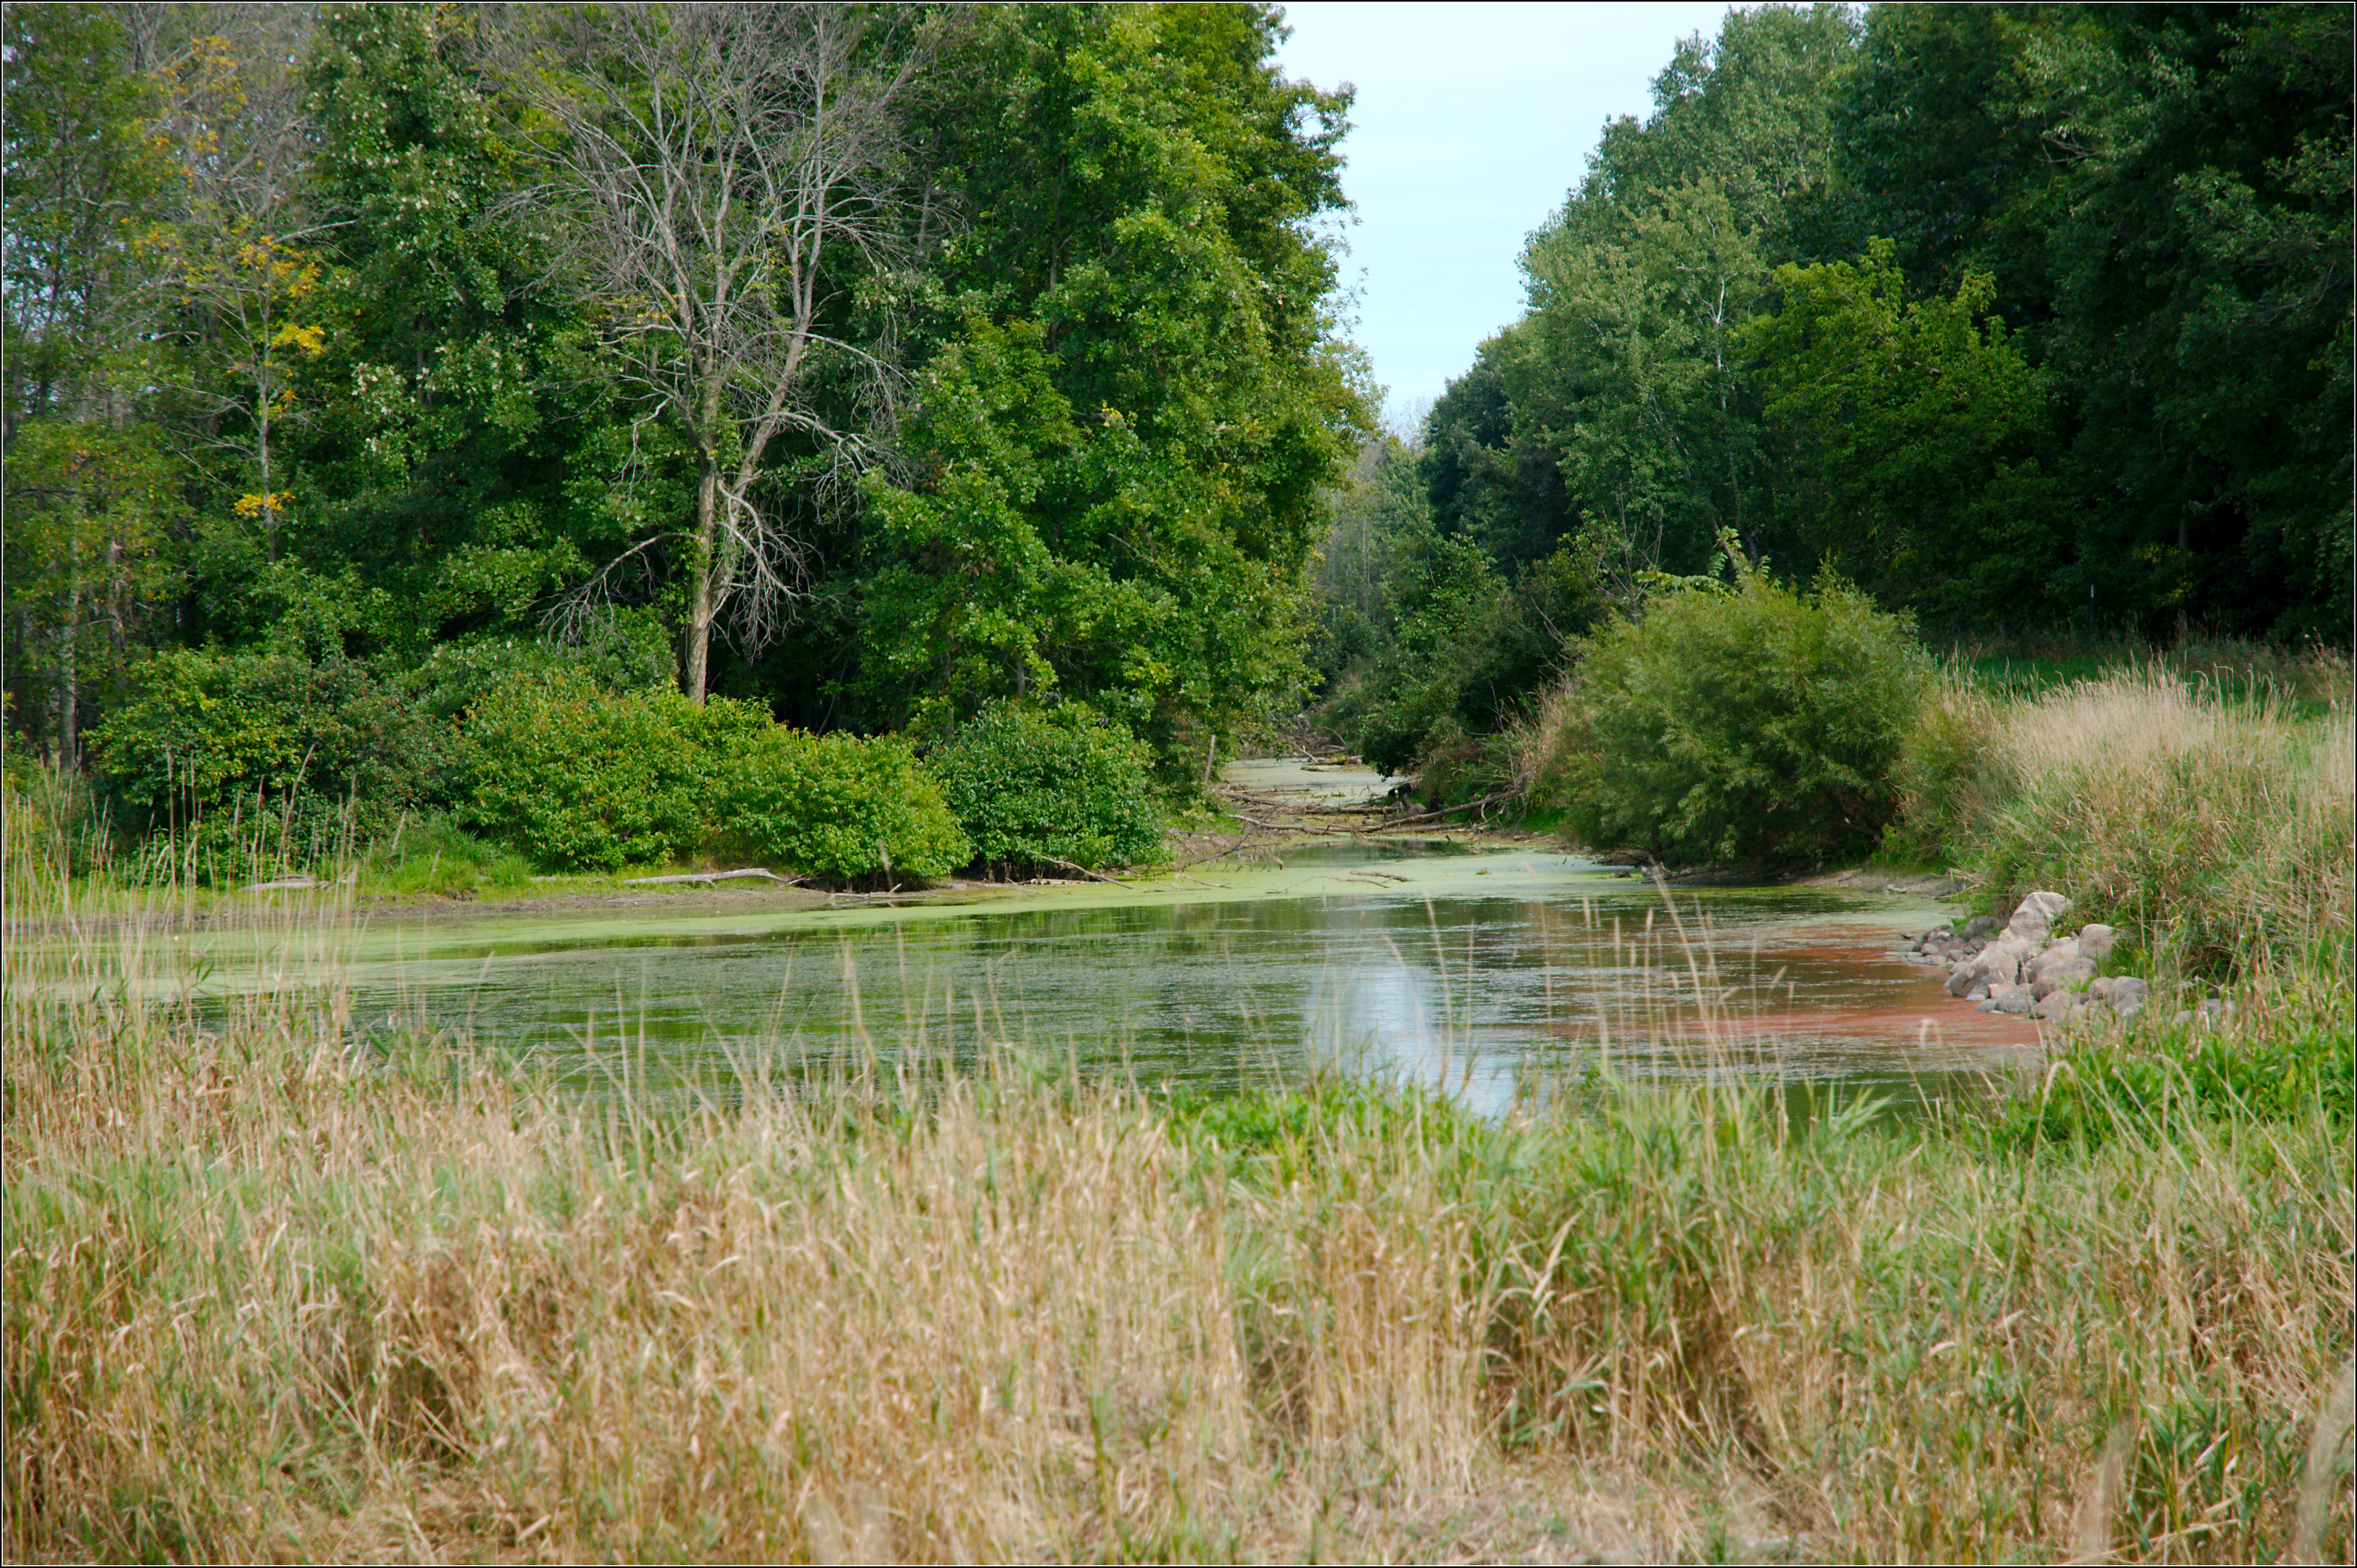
(1470, 966)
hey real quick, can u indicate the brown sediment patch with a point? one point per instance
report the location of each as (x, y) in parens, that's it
(1900, 1022)
(1888, 999)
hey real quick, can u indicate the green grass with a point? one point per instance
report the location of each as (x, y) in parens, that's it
(2304, 684)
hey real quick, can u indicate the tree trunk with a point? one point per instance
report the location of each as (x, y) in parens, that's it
(699, 609)
(69, 682)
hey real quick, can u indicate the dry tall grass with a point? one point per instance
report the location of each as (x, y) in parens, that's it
(271, 1294)
(2220, 831)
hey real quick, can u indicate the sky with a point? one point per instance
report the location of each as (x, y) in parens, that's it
(1472, 123)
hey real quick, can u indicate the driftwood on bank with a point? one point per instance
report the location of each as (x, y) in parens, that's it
(1306, 809)
(709, 876)
(1084, 871)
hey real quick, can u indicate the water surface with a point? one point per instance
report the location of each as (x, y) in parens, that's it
(1418, 959)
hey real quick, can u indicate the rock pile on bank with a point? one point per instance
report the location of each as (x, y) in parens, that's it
(2023, 968)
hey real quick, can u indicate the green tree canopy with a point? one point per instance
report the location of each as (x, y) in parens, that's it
(1112, 473)
(1912, 432)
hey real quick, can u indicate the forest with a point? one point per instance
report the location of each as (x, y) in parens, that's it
(375, 374)
(2030, 321)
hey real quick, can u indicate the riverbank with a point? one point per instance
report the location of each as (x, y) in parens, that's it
(267, 1296)
(283, 1286)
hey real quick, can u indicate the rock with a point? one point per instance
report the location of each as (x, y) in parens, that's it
(1979, 925)
(2056, 956)
(2008, 959)
(2017, 1000)
(2052, 1006)
(2212, 1012)
(2063, 976)
(2126, 996)
(2097, 942)
(2034, 917)
(2100, 990)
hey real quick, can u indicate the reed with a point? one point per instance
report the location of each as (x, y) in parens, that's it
(2216, 827)
(275, 1288)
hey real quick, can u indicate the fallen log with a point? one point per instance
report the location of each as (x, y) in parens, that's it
(708, 876)
(1083, 870)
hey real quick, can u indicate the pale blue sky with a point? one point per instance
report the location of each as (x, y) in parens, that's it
(1473, 122)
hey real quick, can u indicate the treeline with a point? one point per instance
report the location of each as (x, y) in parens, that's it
(876, 366)
(2019, 318)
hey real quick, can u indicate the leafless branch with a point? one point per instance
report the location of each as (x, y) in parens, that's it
(719, 167)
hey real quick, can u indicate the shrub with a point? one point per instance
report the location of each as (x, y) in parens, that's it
(838, 806)
(456, 675)
(1747, 725)
(581, 777)
(217, 735)
(1036, 788)
(1467, 650)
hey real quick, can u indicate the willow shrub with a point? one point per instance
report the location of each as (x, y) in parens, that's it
(586, 778)
(1039, 789)
(1747, 725)
(838, 806)
(581, 777)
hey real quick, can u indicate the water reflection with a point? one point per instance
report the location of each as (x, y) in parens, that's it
(1434, 964)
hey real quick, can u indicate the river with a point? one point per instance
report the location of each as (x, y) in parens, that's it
(1477, 967)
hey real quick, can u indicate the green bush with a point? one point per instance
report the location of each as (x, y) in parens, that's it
(1948, 776)
(1036, 789)
(221, 737)
(1752, 725)
(838, 806)
(456, 675)
(581, 777)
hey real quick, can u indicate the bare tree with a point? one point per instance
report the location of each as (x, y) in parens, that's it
(715, 163)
